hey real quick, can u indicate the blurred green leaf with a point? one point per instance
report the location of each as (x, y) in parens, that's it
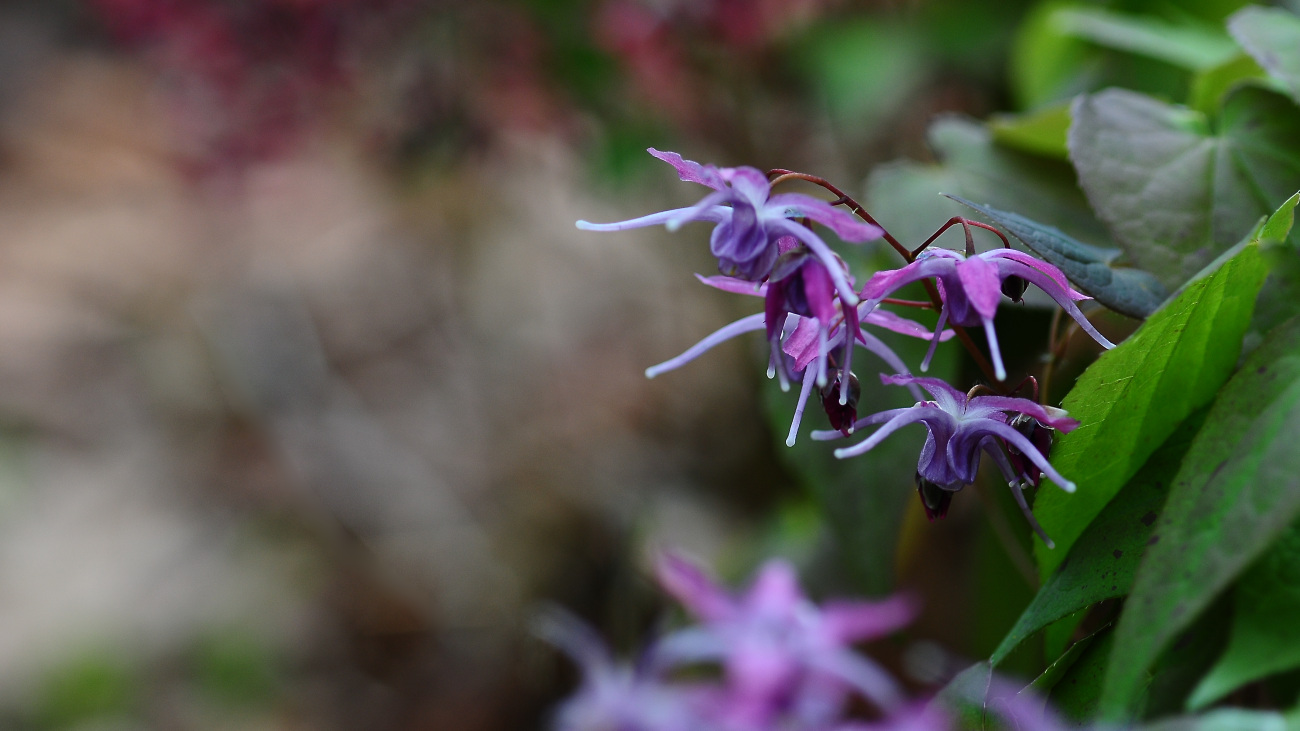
(1135, 396)
(97, 686)
(864, 69)
(1272, 37)
(235, 668)
(1047, 64)
(1234, 496)
(1131, 292)
(1190, 45)
(1222, 719)
(1101, 565)
(1265, 636)
(904, 196)
(1040, 133)
(1174, 192)
(1211, 85)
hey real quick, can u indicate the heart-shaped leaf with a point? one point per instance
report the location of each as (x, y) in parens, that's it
(1272, 37)
(1175, 189)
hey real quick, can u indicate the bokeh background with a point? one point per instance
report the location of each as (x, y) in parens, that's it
(311, 394)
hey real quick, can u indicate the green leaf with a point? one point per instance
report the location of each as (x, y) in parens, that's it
(1234, 496)
(1265, 637)
(1211, 85)
(1131, 292)
(1222, 719)
(1041, 132)
(1048, 65)
(1188, 45)
(1060, 667)
(1272, 37)
(1134, 396)
(904, 196)
(1174, 192)
(1101, 565)
(1075, 695)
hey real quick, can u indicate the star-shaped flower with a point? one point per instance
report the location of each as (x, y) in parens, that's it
(781, 653)
(960, 427)
(971, 287)
(750, 220)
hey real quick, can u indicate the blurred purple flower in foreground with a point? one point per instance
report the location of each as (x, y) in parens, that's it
(959, 427)
(783, 656)
(972, 285)
(612, 695)
(750, 221)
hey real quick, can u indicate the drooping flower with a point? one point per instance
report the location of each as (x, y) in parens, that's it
(972, 285)
(783, 656)
(615, 695)
(960, 427)
(750, 221)
(805, 324)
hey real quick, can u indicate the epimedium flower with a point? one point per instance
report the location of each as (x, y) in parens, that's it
(971, 287)
(615, 695)
(803, 316)
(960, 427)
(750, 220)
(782, 655)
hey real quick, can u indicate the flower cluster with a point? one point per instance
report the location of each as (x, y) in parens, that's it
(780, 662)
(783, 662)
(814, 317)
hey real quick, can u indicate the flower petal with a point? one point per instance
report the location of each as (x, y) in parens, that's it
(688, 584)
(843, 223)
(1053, 417)
(854, 621)
(981, 284)
(1035, 263)
(1028, 449)
(884, 283)
(823, 252)
(726, 332)
(734, 285)
(936, 386)
(902, 325)
(1062, 297)
(690, 171)
(715, 213)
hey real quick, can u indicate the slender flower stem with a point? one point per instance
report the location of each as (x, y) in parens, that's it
(779, 175)
(907, 303)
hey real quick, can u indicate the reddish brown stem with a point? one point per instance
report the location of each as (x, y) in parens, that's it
(907, 303)
(779, 175)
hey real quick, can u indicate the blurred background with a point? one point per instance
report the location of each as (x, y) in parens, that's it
(311, 394)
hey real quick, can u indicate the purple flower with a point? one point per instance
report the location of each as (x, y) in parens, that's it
(614, 695)
(805, 324)
(750, 221)
(959, 428)
(972, 286)
(783, 656)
